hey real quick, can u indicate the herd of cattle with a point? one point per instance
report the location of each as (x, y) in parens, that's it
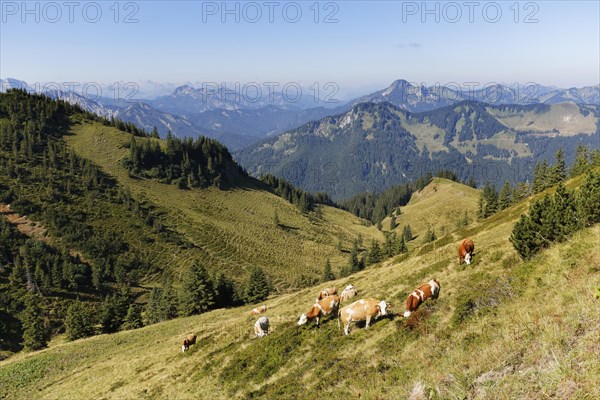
(328, 302)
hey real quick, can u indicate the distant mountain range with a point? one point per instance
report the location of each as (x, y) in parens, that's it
(417, 98)
(376, 145)
(240, 120)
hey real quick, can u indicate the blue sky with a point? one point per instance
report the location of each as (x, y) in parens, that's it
(371, 44)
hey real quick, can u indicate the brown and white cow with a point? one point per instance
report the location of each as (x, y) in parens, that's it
(187, 342)
(326, 292)
(259, 310)
(320, 309)
(426, 291)
(362, 310)
(465, 251)
(348, 293)
(261, 327)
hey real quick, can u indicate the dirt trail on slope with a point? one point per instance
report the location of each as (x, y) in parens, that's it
(33, 229)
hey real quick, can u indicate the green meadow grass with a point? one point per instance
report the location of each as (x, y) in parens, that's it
(500, 329)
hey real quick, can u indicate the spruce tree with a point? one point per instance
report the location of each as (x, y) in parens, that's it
(353, 262)
(197, 293)
(558, 173)
(114, 310)
(505, 198)
(257, 287)
(540, 177)
(224, 291)
(35, 332)
(582, 161)
(133, 320)
(564, 213)
(375, 254)
(328, 274)
(79, 321)
(407, 233)
(481, 207)
(393, 223)
(588, 200)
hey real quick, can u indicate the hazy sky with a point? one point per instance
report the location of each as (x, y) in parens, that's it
(356, 44)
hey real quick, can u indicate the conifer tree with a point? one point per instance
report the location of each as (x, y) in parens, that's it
(407, 233)
(79, 321)
(505, 198)
(393, 223)
(588, 200)
(582, 161)
(257, 287)
(133, 320)
(540, 176)
(224, 291)
(563, 213)
(353, 262)
(328, 274)
(558, 173)
(197, 293)
(35, 332)
(375, 255)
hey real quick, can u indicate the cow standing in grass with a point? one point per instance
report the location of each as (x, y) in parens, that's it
(261, 327)
(426, 291)
(465, 251)
(259, 310)
(348, 293)
(187, 342)
(362, 310)
(326, 292)
(320, 309)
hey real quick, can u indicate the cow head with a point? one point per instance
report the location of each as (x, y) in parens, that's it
(183, 348)
(383, 305)
(303, 319)
(468, 258)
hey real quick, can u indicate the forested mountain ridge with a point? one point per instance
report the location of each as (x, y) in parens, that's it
(376, 145)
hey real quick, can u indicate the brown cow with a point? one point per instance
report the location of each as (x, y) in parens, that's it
(326, 292)
(187, 342)
(465, 251)
(320, 309)
(259, 310)
(361, 310)
(428, 290)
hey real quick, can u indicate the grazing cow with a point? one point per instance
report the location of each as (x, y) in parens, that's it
(261, 327)
(187, 342)
(465, 251)
(428, 290)
(361, 310)
(320, 309)
(348, 293)
(259, 310)
(326, 292)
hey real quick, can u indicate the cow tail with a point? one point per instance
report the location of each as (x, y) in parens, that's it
(339, 318)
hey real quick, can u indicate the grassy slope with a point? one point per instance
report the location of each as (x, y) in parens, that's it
(565, 117)
(439, 205)
(234, 227)
(532, 332)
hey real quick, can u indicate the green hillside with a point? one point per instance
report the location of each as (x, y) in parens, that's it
(441, 206)
(501, 328)
(234, 227)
